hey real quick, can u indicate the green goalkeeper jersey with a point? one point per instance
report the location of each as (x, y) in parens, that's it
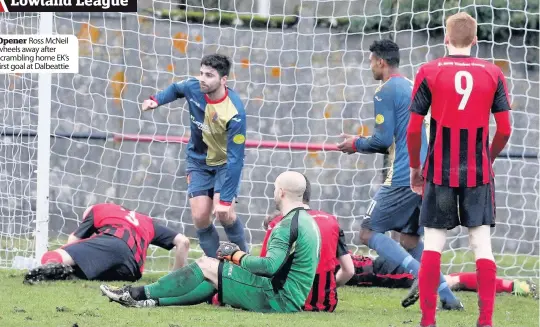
(292, 257)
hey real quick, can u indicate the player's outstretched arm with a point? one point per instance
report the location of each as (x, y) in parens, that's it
(278, 251)
(383, 136)
(236, 144)
(166, 238)
(171, 93)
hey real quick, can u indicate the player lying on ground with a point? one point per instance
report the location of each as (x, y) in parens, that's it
(323, 295)
(279, 282)
(395, 206)
(215, 152)
(457, 184)
(369, 272)
(109, 244)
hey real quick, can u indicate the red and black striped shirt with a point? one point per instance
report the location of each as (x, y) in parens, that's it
(462, 91)
(323, 295)
(138, 231)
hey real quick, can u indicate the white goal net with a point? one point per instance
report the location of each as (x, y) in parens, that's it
(303, 74)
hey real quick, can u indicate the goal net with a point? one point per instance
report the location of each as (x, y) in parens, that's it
(302, 70)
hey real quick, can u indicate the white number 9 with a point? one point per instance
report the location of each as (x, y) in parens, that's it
(466, 92)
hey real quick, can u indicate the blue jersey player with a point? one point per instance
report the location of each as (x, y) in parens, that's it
(395, 206)
(215, 152)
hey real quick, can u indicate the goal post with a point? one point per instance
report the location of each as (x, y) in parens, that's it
(303, 74)
(43, 148)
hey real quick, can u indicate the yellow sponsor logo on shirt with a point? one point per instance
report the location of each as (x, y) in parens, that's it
(379, 119)
(239, 139)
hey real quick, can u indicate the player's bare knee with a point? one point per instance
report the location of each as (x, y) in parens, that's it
(480, 242)
(365, 235)
(201, 209)
(201, 217)
(66, 258)
(209, 267)
(229, 220)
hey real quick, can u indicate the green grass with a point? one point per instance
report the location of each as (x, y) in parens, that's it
(160, 260)
(79, 303)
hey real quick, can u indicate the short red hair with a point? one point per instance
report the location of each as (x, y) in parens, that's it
(461, 30)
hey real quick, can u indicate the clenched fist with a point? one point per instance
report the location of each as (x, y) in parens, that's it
(149, 104)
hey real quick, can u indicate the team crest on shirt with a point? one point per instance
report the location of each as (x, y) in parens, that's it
(214, 117)
(239, 139)
(379, 119)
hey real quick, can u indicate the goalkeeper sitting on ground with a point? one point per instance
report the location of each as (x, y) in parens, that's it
(279, 282)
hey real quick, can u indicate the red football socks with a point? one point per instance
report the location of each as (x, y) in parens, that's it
(428, 281)
(486, 271)
(51, 257)
(504, 285)
(467, 281)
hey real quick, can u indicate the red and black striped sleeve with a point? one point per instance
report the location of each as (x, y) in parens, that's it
(501, 100)
(421, 95)
(420, 104)
(501, 110)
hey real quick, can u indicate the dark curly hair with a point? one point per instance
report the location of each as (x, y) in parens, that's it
(387, 50)
(219, 62)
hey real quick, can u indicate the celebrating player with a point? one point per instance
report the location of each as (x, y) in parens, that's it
(457, 183)
(110, 244)
(215, 152)
(369, 272)
(279, 282)
(323, 295)
(395, 206)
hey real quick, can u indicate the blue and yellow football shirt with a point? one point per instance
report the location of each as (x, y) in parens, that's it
(218, 130)
(392, 100)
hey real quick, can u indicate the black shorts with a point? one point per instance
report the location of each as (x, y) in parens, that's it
(445, 207)
(103, 257)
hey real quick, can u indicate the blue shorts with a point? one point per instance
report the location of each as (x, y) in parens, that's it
(205, 180)
(394, 208)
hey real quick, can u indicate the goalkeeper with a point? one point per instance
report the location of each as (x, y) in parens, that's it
(215, 152)
(279, 282)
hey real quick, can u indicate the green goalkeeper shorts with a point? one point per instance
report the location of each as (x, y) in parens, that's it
(240, 288)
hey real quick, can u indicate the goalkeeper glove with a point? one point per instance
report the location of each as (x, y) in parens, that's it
(231, 252)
